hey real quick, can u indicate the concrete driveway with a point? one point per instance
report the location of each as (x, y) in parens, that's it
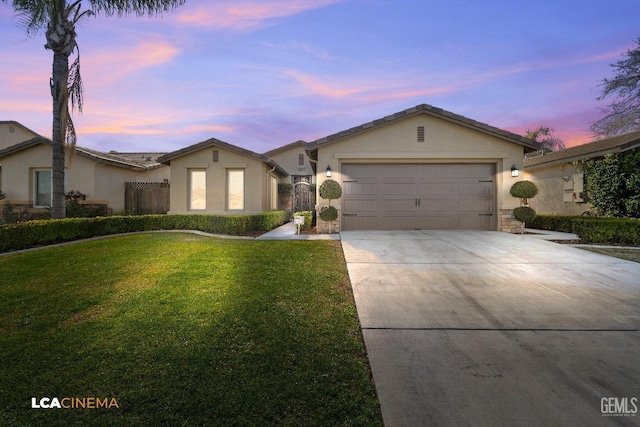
(488, 328)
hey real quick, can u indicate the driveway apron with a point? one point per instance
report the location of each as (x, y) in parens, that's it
(488, 328)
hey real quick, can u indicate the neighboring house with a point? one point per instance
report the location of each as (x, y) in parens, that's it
(26, 173)
(561, 182)
(422, 168)
(12, 133)
(215, 177)
(293, 158)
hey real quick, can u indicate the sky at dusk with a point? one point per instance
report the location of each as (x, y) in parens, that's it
(261, 74)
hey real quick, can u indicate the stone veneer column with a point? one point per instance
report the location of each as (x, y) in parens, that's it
(507, 223)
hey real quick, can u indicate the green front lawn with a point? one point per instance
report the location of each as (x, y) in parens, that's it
(183, 330)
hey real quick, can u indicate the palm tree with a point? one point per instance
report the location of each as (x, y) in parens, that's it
(58, 19)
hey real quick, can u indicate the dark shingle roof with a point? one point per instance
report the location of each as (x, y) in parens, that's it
(432, 111)
(589, 150)
(98, 156)
(213, 142)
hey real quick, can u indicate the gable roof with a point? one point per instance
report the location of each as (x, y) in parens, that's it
(18, 124)
(98, 156)
(213, 142)
(296, 144)
(431, 111)
(598, 148)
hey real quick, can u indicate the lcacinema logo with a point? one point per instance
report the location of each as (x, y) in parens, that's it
(73, 403)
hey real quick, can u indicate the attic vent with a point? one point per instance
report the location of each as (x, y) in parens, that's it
(420, 133)
(216, 156)
(300, 159)
(12, 129)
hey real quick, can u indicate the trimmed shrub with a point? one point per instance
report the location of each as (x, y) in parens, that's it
(328, 213)
(285, 188)
(524, 190)
(45, 232)
(552, 222)
(330, 190)
(524, 214)
(308, 219)
(608, 230)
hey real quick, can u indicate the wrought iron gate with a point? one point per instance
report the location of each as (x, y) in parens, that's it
(303, 199)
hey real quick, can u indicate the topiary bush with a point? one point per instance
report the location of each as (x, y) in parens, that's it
(524, 190)
(330, 190)
(328, 213)
(524, 214)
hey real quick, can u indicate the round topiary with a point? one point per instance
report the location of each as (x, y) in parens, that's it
(330, 190)
(524, 214)
(328, 213)
(523, 190)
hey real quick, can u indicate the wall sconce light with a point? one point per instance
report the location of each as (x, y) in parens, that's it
(514, 171)
(328, 171)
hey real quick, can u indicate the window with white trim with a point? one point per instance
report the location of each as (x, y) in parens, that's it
(235, 189)
(197, 189)
(43, 185)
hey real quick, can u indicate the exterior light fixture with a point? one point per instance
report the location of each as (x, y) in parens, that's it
(514, 171)
(328, 171)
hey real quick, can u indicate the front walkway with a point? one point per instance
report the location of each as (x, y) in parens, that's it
(288, 232)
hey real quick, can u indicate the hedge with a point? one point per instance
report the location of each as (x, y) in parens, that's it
(553, 223)
(608, 230)
(45, 232)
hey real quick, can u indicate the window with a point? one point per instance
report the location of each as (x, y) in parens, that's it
(197, 189)
(273, 201)
(235, 189)
(43, 187)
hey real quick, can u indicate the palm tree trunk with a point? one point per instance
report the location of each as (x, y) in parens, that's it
(60, 104)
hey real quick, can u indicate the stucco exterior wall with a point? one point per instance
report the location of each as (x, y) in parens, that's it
(559, 188)
(17, 172)
(445, 142)
(256, 179)
(110, 183)
(289, 160)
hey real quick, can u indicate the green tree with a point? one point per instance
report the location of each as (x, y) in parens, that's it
(58, 20)
(544, 135)
(623, 114)
(613, 183)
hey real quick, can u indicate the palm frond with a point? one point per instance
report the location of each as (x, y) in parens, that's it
(33, 15)
(75, 86)
(137, 7)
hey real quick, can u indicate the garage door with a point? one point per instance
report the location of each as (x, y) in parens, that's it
(418, 196)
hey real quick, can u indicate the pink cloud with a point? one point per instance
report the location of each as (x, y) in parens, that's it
(247, 15)
(112, 65)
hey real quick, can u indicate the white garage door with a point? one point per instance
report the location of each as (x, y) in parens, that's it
(418, 197)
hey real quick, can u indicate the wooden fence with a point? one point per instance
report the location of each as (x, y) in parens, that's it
(142, 198)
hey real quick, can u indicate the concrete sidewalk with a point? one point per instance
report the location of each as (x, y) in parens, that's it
(489, 328)
(288, 232)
